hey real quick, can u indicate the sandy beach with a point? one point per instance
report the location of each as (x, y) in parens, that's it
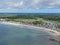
(53, 32)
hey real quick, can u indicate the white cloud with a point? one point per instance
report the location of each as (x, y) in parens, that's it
(29, 4)
(51, 4)
(18, 4)
(36, 1)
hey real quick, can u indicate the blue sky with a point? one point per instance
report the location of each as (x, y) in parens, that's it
(39, 6)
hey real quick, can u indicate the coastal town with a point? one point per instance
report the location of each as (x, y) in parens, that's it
(50, 26)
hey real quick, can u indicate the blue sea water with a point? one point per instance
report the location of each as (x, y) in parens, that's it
(17, 35)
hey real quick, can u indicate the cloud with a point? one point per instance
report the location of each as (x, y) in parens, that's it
(18, 4)
(28, 4)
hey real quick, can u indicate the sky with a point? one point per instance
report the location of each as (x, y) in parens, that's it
(40, 6)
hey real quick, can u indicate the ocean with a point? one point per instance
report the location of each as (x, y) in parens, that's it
(17, 35)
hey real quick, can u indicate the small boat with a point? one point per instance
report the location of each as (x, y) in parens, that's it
(59, 42)
(53, 39)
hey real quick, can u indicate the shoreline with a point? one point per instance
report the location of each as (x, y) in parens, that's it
(53, 32)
